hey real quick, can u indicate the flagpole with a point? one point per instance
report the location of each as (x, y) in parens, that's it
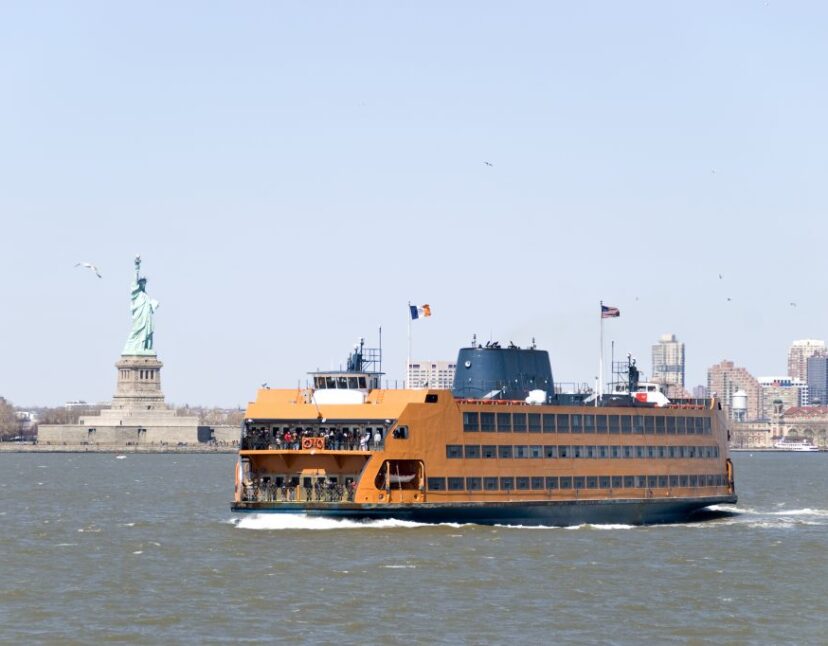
(408, 359)
(601, 361)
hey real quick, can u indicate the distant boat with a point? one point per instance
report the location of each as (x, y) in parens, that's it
(786, 444)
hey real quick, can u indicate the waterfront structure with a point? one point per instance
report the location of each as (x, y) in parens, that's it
(790, 391)
(668, 363)
(138, 414)
(798, 356)
(431, 374)
(501, 447)
(806, 422)
(817, 372)
(725, 378)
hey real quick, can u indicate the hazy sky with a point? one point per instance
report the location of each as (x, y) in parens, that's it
(294, 173)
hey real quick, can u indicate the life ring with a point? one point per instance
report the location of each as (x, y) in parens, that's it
(320, 442)
(307, 442)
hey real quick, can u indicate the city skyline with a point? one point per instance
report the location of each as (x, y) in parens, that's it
(274, 165)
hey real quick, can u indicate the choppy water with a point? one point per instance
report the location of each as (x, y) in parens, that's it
(144, 549)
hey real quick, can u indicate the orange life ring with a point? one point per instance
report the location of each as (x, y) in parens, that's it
(320, 442)
(307, 442)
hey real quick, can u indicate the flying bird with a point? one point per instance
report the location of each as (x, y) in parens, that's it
(729, 299)
(792, 304)
(89, 265)
(488, 163)
(720, 276)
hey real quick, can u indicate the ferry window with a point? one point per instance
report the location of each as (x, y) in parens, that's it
(566, 482)
(353, 384)
(614, 425)
(693, 481)
(490, 484)
(650, 451)
(615, 451)
(550, 451)
(342, 382)
(591, 451)
(401, 433)
(504, 451)
(683, 481)
(522, 484)
(592, 482)
(639, 451)
(471, 422)
(319, 382)
(472, 450)
(552, 482)
(576, 423)
(519, 422)
(563, 423)
(521, 451)
(659, 425)
(708, 451)
(671, 426)
(564, 452)
(600, 423)
(548, 423)
(629, 482)
(504, 422)
(578, 482)
(706, 425)
(626, 424)
(589, 423)
(362, 383)
(716, 451)
(474, 484)
(662, 451)
(537, 483)
(535, 451)
(507, 484)
(662, 481)
(455, 484)
(652, 481)
(649, 425)
(628, 451)
(699, 425)
(617, 482)
(673, 451)
(674, 481)
(454, 451)
(638, 424)
(603, 451)
(330, 382)
(487, 422)
(437, 484)
(534, 422)
(691, 451)
(577, 451)
(489, 451)
(431, 398)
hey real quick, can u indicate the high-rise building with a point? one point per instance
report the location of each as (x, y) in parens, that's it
(790, 392)
(431, 374)
(725, 379)
(668, 361)
(817, 373)
(798, 356)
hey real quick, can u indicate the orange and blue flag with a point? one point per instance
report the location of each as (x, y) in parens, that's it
(418, 311)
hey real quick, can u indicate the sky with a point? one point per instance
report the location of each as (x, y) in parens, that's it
(294, 174)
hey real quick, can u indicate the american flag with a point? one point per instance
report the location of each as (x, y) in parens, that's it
(608, 312)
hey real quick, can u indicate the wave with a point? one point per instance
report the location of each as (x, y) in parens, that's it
(301, 521)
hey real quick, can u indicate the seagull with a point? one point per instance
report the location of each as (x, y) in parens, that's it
(792, 304)
(720, 276)
(264, 385)
(89, 265)
(488, 163)
(729, 299)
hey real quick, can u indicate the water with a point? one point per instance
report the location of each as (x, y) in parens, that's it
(144, 549)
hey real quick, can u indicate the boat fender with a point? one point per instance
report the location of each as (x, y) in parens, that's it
(307, 442)
(320, 443)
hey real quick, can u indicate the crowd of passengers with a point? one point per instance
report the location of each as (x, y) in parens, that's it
(265, 489)
(333, 438)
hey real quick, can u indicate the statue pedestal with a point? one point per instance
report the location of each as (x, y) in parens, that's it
(139, 384)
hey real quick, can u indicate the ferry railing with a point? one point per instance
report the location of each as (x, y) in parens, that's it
(298, 493)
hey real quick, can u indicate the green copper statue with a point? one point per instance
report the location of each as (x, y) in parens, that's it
(143, 307)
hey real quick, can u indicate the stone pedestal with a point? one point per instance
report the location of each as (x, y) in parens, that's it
(139, 384)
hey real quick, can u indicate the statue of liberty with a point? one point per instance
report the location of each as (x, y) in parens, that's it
(143, 307)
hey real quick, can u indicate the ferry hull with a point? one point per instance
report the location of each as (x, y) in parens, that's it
(551, 513)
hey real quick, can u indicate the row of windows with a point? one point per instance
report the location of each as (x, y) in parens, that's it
(585, 423)
(474, 451)
(538, 483)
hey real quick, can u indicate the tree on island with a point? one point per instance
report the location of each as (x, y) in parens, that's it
(8, 420)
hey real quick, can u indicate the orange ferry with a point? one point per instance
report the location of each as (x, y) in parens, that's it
(501, 447)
